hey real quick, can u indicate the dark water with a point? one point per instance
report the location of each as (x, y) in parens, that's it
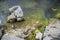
(26, 5)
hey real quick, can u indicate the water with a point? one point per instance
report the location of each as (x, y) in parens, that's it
(26, 5)
(3, 17)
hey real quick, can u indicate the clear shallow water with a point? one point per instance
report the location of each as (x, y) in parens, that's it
(26, 5)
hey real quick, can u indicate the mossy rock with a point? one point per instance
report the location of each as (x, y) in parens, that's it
(58, 16)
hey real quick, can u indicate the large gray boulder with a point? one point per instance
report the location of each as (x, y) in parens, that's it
(53, 30)
(11, 37)
(15, 13)
(18, 33)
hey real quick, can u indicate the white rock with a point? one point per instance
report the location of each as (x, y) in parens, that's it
(10, 37)
(53, 30)
(47, 38)
(19, 19)
(12, 16)
(39, 35)
(16, 12)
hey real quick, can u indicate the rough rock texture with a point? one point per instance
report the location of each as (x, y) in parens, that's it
(18, 34)
(39, 36)
(16, 12)
(12, 16)
(11, 37)
(47, 38)
(53, 30)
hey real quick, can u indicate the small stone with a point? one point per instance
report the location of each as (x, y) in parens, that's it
(39, 35)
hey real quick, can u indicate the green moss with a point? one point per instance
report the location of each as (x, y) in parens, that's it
(58, 14)
(31, 37)
(29, 4)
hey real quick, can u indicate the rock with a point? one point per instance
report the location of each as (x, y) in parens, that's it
(47, 38)
(18, 33)
(11, 37)
(20, 19)
(16, 13)
(53, 30)
(39, 36)
(12, 16)
(1, 30)
(25, 31)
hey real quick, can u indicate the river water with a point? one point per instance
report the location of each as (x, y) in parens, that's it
(26, 5)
